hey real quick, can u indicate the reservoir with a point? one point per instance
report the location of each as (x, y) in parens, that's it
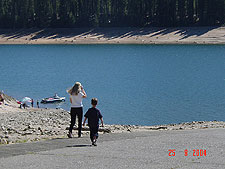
(135, 84)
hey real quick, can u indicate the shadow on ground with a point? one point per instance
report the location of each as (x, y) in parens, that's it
(82, 145)
(108, 33)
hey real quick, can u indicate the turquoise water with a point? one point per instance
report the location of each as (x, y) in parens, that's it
(135, 84)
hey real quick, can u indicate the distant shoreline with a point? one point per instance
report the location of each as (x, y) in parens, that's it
(152, 35)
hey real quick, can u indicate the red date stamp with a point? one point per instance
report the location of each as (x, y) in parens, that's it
(194, 152)
(172, 152)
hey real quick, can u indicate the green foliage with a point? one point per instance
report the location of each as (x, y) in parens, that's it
(109, 13)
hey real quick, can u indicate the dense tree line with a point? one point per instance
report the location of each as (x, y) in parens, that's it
(110, 13)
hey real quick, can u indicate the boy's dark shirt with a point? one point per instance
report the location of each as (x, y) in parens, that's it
(93, 115)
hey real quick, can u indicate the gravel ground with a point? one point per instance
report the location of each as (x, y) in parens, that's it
(42, 124)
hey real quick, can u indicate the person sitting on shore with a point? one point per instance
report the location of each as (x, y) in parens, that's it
(24, 105)
(2, 99)
(93, 115)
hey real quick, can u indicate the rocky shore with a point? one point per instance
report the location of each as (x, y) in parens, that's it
(33, 124)
(40, 124)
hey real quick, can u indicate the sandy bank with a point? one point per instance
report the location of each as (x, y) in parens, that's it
(154, 35)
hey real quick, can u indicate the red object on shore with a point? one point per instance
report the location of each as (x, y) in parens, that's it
(19, 102)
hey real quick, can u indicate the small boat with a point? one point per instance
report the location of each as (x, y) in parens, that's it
(53, 99)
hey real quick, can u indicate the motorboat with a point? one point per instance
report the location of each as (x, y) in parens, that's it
(53, 99)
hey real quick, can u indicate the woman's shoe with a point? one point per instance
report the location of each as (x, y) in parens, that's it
(69, 135)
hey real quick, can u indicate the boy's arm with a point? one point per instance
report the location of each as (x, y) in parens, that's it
(102, 122)
(85, 118)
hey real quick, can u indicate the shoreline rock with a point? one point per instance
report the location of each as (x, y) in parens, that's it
(41, 124)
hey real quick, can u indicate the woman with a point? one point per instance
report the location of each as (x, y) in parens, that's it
(77, 94)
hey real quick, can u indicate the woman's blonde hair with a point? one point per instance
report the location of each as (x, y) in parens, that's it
(75, 89)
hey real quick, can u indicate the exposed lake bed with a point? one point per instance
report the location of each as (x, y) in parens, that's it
(148, 35)
(40, 124)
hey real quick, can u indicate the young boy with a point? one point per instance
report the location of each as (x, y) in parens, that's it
(93, 115)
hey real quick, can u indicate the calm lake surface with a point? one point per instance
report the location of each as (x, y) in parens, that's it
(135, 84)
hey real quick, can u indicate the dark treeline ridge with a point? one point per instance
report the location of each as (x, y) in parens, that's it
(110, 13)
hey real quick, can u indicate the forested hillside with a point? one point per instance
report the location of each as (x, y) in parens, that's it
(110, 13)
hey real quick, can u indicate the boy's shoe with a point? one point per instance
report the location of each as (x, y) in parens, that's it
(69, 135)
(94, 144)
